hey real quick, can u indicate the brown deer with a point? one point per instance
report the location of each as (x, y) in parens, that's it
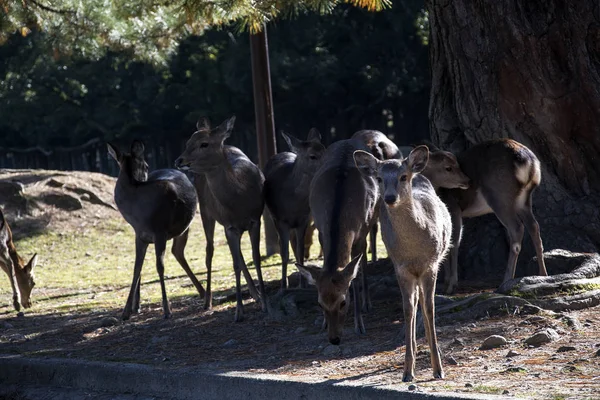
(378, 144)
(287, 186)
(230, 189)
(343, 203)
(159, 206)
(503, 175)
(416, 230)
(20, 274)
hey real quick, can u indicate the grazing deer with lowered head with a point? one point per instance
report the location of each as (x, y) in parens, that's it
(378, 144)
(230, 189)
(287, 186)
(159, 206)
(502, 176)
(343, 204)
(416, 229)
(20, 274)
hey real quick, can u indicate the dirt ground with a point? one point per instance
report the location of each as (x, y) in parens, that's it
(293, 345)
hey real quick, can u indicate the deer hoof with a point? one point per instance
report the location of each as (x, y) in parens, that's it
(438, 375)
(168, 315)
(125, 316)
(239, 315)
(407, 377)
(17, 304)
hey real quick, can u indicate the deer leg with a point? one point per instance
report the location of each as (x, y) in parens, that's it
(255, 242)
(427, 299)
(140, 253)
(13, 279)
(136, 305)
(373, 241)
(533, 228)
(359, 325)
(451, 266)
(178, 249)
(514, 228)
(160, 245)
(299, 245)
(209, 231)
(233, 240)
(365, 297)
(410, 296)
(284, 240)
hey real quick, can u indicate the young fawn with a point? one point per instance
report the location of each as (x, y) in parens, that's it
(20, 274)
(287, 186)
(416, 230)
(343, 203)
(502, 176)
(230, 190)
(159, 206)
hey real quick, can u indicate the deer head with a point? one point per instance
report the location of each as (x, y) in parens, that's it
(133, 163)
(25, 278)
(204, 150)
(309, 152)
(394, 176)
(333, 290)
(444, 171)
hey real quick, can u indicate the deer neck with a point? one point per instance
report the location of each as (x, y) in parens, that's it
(302, 178)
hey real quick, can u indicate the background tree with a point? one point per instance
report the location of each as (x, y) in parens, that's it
(529, 70)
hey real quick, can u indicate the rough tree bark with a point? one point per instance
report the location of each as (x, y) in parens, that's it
(528, 70)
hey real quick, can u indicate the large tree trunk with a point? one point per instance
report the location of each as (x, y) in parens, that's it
(528, 70)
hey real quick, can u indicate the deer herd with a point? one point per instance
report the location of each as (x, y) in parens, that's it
(345, 189)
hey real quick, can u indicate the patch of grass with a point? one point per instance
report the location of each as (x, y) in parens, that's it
(523, 295)
(487, 389)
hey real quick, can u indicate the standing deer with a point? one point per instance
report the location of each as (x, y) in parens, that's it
(343, 203)
(159, 206)
(416, 229)
(230, 189)
(503, 175)
(20, 274)
(287, 186)
(378, 144)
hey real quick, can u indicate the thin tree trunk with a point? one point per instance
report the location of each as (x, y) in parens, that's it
(529, 70)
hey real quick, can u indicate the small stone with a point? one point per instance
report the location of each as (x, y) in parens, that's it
(109, 321)
(505, 391)
(299, 330)
(332, 350)
(20, 314)
(230, 343)
(516, 369)
(563, 349)
(412, 387)
(512, 353)
(451, 360)
(315, 363)
(542, 337)
(493, 342)
(88, 254)
(7, 325)
(597, 353)
(528, 309)
(468, 385)
(572, 322)
(458, 342)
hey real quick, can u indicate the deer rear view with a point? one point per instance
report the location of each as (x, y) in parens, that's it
(287, 186)
(159, 206)
(416, 229)
(20, 273)
(503, 175)
(343, 204)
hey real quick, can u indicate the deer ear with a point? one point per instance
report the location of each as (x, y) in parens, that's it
(224, 130)
(137, 148)
(314, 136)
(114, 152)
(366, 163)
(31, 264)
(351, 270)
(203, 124)
(417, 159)
(310, 272)
(292, 142)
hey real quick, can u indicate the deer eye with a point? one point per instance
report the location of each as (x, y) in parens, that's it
(449, 169)
(203, 145)
(403, 178)
(312, 157)
(342, 304)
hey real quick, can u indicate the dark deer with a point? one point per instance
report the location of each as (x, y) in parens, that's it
(416, 229)
(20, 274)
(378, 144)
(343, 203)
(503, 175)
(159, 206)
(230, 189)
(287, 186)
